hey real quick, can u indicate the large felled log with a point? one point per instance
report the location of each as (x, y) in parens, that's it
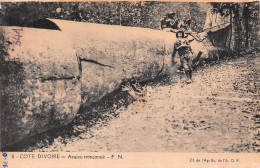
(53, 72)
(43, 80)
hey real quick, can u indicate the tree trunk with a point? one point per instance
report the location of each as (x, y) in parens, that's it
(231, 28)
(238, 30)
(243, 17)
(246, 18)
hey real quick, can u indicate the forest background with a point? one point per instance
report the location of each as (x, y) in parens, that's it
(244, 32)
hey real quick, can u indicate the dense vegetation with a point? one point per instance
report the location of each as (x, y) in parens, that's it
(138, 14)
(244, 24)
(244, 21)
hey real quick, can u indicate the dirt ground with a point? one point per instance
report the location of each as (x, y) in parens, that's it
(218, 112)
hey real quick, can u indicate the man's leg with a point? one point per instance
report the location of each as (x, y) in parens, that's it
(188, 69)
(190, 65)
(179, 63)
(187, 74)
(190, 74)
(185, 65)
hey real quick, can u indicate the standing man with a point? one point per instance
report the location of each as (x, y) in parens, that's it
(183, 48)
(184, 24)
(169, 21)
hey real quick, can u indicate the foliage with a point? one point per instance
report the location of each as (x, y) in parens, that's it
(245, 16)
(126, 13)
(220, 8)
(244, 22)
(3, 46)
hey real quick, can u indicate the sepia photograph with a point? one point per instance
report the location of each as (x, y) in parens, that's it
(130, 76)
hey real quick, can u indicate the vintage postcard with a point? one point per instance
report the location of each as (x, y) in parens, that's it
(129, 84)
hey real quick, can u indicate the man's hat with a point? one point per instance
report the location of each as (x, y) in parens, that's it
(172, 13)
(180, 32)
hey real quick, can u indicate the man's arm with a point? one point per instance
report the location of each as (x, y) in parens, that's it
(183, 44)
(190, 40)
(188, 44)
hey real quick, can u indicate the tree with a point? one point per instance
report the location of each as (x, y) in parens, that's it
(244, 18)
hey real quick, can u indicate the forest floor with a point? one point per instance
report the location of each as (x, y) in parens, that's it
(218, 112)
